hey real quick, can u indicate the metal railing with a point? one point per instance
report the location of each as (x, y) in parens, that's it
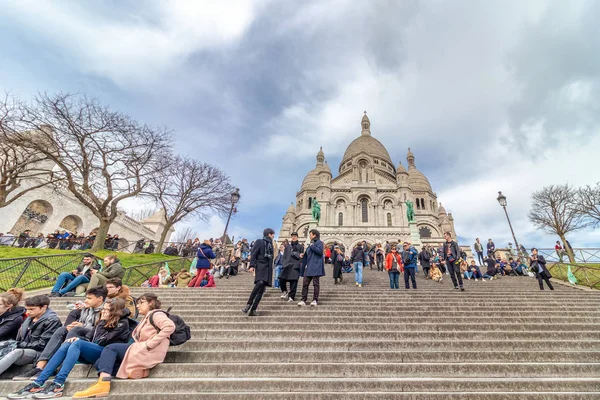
(31, 273)
(586, 275)
(589, 255)
(137, 274)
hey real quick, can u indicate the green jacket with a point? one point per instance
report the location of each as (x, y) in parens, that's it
(113, 271)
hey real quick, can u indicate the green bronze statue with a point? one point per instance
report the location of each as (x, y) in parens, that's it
(410, 211)
(316, 210)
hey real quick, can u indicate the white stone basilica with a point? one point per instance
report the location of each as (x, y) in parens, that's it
(366, 201)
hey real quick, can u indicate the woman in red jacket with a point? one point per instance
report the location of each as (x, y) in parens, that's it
(393, 265)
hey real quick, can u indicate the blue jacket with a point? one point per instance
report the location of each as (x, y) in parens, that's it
(203, 259)
(411, 257)
(315, 264)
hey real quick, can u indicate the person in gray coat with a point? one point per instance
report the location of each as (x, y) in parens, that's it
(314, 267)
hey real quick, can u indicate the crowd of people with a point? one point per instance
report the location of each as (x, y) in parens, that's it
(101, 330)
(59, 239)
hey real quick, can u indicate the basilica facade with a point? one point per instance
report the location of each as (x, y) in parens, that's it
(367, 200)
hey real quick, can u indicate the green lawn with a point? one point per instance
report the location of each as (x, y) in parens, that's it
(587, 274)
(38, 273)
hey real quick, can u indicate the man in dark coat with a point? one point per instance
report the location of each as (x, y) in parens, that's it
(451, 255)
(425, 260)
(291, 268)
(542, 274)
(261, 261)
(314, 267)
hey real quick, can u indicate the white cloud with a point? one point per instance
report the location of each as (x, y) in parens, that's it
(129, 49)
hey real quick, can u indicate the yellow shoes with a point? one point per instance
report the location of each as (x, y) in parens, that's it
(100, 389)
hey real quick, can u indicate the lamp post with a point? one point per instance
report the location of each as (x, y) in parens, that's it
(502, 200)
(235, 197)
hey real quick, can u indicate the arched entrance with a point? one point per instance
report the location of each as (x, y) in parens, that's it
(71, 223)
(34, 217)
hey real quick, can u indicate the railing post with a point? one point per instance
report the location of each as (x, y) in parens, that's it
(18, 278)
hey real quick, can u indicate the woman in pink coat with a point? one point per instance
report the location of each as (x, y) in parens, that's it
(148, 350)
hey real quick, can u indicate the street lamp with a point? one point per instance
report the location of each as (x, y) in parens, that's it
(235, 197)
(502, 200)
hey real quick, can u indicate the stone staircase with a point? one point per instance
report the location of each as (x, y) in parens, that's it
(503, 339)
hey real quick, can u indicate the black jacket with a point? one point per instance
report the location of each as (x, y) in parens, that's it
(291, 261)
(261, 259)
(103, 336)
(541, 263)
(88, 274)
(171, 251)
(10, 322)
(358, 255)
(35, 335)
(454, 249)
(424, 259)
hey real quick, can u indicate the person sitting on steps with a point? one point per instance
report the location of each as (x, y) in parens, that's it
(134, 360)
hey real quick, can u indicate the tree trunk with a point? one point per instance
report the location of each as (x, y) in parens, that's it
(567, 249)
(101, 235)
(163, 237)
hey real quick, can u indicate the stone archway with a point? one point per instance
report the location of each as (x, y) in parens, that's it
(33, 218)
(71, 223)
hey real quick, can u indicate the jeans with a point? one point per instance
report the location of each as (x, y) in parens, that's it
(480, 257)
(17, 357)
(63, 278)
(306, 283)
(111, 358)
(68, 355)
(75, 281)
(410, 273)
(200, 274)
(358, 272)
(277, 272)
(394, 277)
(468, 274)
(455, 274)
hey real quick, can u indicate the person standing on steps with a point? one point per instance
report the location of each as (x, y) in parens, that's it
(261, 262)
(479, 250)
(279, 264)
(538, 265)
(338, 261)
(425, 260)
(409, 259)
(291, 268)
(315, 267)
(393, 265)
(379, 257)
(203, 257)
(358, 262)
(491, 248)
(451, 254)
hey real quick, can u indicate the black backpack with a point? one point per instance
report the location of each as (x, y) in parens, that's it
(182, 332)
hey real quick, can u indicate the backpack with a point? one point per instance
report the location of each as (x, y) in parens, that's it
(182, 332)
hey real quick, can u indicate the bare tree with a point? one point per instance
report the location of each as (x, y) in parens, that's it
(142, 213)
(189, 187)
(103, 156)
(21, 170)
(554, 209)
(588, 199)
(184, 235)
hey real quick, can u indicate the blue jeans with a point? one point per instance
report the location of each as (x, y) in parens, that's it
(277, 273)
(394, 276)
(73, 285)
(63, 278)
(68, 355)
(358, 272)
(468, 274)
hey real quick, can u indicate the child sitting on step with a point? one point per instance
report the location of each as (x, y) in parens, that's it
(435, 274)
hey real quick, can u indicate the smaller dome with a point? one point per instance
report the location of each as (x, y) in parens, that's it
(311, 180)
(324, 168)
(291, 209)
(441, 210)
(401, 169)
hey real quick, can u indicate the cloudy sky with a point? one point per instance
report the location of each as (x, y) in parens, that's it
(493, 95)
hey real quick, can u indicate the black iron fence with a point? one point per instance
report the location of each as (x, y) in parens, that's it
(40, 272)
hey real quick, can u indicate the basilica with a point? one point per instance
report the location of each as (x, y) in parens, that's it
(367, 201)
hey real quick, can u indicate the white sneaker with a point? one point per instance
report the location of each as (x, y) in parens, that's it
(284, 295)
(475, 279)
(290, 300)
(314, 303)
(356, 283)
(301, 304)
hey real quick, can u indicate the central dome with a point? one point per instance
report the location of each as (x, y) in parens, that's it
(367, 144)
